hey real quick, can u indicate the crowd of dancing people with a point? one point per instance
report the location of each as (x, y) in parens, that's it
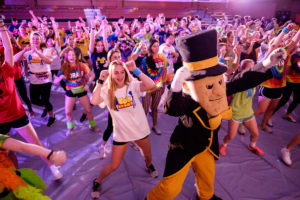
(128, 67)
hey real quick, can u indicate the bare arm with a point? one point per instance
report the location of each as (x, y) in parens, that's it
(15, 145)
(147, 83)
(96, 98)
(8, 51)
(92, 38)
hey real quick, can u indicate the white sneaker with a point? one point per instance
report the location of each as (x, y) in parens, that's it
(134, 146)
(102, 153)
(95, 129)
(56, 173)
(286, 156)
(242, 130)
(152, 171)
(69, 132)
(156, 130)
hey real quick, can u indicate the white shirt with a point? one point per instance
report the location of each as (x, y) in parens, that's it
(129, 119)
(166, 50)
(40, 72)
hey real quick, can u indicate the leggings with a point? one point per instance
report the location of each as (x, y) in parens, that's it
(109, 129)
(40, 95)
(155, 97)
(20, 84)
(62, 83)
(288, 90)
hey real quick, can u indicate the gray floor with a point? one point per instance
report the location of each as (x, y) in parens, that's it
(240, 175)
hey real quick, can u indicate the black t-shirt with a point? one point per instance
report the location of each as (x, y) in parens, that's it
(98, 62)
(138, 61)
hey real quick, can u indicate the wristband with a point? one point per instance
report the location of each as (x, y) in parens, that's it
(89, 83)
(222, 60)
(285, 30)
(136, 72)
(100, 81)
(49, 155)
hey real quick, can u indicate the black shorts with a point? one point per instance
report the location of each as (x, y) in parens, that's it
(122, 143)
(86, 58)
(270, 93)
(18, 123)
(70, 94)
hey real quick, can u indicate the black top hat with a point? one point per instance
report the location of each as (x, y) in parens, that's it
(199, 54)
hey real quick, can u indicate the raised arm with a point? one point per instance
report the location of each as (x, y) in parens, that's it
(96, 99)
(147, 83)
(92, 37)
(8, 51)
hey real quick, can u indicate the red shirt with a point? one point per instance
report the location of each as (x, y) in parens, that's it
(11, 107)
(17, 67)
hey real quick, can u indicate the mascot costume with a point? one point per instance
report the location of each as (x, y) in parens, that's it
(198, 96)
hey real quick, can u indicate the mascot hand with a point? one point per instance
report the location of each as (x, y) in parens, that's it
(180, 76)
(274, 58)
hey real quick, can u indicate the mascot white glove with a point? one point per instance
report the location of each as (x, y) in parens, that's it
(181, 75)
(274, 58)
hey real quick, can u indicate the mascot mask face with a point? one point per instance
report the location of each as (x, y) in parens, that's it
(210, 93)
(205, 83)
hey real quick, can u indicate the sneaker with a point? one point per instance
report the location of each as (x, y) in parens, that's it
(95, 190)
(156, 130)
(265, 128)
(256, 150)
(69, 132)
(83, 117)
(44, 113)
(31, 114)
(270, 123)
(222, 150)
(242, 130)
(51, 121)
(151, 170)
(95, 129)
(286, 156)
(102, 153)
(289, 118)
(214, 197)
(56, 173)
(134, 146)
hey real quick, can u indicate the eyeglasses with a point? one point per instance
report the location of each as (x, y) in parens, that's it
(123, 47)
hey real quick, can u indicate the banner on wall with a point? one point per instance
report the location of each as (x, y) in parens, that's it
(90, 14)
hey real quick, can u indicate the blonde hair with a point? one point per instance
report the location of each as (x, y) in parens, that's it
(245, 63)
(111, 84)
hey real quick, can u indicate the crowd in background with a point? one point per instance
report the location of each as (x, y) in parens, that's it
(74, 57)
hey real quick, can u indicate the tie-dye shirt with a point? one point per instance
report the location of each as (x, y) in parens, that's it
(161, 63)
(279, 74)
(76, 78)
(293, 73)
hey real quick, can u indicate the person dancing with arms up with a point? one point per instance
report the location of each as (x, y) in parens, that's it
(121, 95)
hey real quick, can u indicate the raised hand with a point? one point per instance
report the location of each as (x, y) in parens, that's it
(274, 58)
(181, 75)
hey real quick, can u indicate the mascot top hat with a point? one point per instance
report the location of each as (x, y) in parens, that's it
(199, 54)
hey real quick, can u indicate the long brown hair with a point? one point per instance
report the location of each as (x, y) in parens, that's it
(149, 59)
(66, 67)
(111, 84)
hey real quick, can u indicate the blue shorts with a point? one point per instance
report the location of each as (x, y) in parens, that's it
(243, 119)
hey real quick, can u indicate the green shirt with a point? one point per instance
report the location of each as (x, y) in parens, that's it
(242, 104)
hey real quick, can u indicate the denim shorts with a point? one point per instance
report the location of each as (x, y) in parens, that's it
(243, 119)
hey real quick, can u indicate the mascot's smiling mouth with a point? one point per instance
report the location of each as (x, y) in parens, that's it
(215, 99)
